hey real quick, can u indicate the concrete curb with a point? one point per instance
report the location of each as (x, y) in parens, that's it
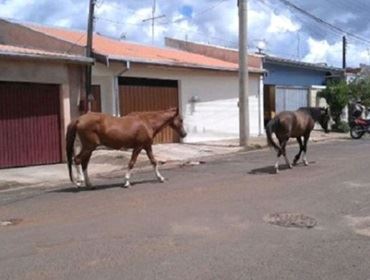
(109, 164)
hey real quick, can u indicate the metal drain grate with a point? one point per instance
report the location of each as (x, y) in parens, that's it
(290, 220)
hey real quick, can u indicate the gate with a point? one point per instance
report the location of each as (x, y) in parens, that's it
(140, 95)
(29, 124)
(290, 98)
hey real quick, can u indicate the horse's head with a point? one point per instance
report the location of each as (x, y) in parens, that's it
(176, 123)
(324, 119)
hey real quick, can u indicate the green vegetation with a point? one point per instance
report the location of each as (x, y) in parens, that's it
(336, 95)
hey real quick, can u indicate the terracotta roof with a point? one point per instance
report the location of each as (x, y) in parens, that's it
(15, 51)
(123, 50)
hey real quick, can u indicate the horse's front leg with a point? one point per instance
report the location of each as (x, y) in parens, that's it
(149, 152)
(297, 156)
(135, 154)
(306, 137)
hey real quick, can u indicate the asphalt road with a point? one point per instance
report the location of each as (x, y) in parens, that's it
(205, 222)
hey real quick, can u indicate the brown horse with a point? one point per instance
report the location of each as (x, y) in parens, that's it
(136, 130)
(296, 124)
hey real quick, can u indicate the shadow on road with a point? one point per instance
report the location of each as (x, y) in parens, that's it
(100, 187)
(271, 169)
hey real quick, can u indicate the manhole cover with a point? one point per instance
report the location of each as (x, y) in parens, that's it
(10, 222)
(290, 220)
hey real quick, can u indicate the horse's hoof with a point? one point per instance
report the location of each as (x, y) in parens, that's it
(305, 162)
(276, 171)
(126, 185)
(79, 184)
(161, 179)
(290, 166)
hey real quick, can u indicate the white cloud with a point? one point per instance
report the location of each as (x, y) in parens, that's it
(212, 22)
(282, 24)
(319, 50)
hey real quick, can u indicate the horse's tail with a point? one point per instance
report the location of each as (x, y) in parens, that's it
(270, 128)
(70, 140)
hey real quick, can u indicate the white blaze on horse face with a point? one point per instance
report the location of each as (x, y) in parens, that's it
(159, 176)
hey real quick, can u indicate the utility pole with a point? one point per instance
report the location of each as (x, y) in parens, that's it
(243, 75)
(344, 53)
(89, 53)
(153, 18)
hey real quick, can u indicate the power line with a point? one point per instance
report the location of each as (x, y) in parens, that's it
(206, 10)
(116, 22)
(321, 21)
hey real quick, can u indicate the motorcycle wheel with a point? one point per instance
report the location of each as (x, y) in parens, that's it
(356, 132)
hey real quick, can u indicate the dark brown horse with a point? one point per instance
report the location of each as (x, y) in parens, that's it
(296, 124)
(136, 131)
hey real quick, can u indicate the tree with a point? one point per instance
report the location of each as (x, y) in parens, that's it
(359, 89)
(336, 95)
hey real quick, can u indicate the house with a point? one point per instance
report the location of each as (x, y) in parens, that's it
(133, 77)
(36, 86)
(290, 84)
(287, 84)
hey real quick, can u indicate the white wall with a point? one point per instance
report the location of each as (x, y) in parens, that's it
(106, 92)
(215, 114)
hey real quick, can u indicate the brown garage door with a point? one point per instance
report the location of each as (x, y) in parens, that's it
(29, 124)
(138, 95)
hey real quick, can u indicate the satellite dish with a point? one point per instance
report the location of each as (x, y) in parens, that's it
(261, 46)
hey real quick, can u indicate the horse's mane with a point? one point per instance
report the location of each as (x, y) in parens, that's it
(314, 112)
(148, 113)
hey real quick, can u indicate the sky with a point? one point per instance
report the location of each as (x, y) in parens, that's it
(272, 25)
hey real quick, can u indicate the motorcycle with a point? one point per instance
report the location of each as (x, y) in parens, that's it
(358, 127)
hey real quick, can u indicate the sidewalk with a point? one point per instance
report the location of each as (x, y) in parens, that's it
(111, 162)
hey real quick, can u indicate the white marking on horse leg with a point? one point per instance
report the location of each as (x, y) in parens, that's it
(80, 177)
(159, 176)
(305, 159)
(86, 177)
(127, 179)
(287, 162)
(277, 165)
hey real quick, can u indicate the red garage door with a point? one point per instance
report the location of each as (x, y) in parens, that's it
(140, 95)
(29, 124)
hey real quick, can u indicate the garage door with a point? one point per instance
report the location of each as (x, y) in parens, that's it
(29, 124)
(140, 95)
(290, 98)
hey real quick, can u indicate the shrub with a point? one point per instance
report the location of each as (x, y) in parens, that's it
(336, 95)
(341, 127)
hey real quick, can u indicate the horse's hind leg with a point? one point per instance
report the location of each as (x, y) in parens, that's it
(149, 152)
(81, 162)
(84, 163)
(276, 165)
(283, 149)
(135, 154)
(297, 156)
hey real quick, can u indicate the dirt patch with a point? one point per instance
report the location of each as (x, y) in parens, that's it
(296, 220)
(360, 225)
(4, 184)
(10, 222)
